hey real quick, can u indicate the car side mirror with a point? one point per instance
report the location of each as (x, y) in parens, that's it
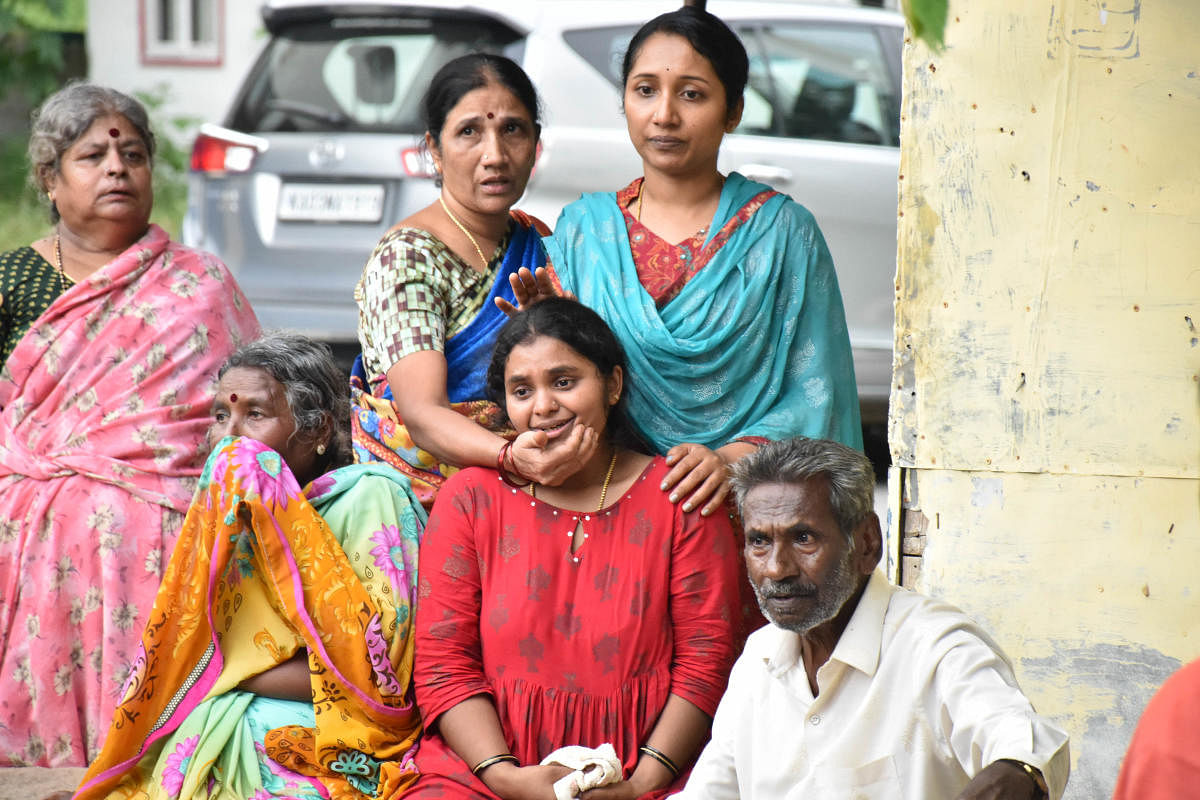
(374, 73)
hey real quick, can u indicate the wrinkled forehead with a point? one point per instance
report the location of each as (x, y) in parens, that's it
(784, 504)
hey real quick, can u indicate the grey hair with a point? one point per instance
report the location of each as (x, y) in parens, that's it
(850, 474)
(315, 387)
(65, 116)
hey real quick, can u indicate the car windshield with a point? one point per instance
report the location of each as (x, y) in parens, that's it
(357, 75)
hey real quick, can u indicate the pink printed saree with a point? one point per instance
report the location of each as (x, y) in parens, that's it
(103, 410)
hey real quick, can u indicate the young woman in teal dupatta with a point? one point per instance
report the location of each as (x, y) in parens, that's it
(748, 340)
(754, 345)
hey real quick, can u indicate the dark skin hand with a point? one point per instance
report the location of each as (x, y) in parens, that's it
(287, 681)
(700, 477)
(1001, 781)
(529, 287)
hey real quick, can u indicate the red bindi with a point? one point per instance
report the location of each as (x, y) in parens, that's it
(113, 132)
(233, 398)
(491, 115)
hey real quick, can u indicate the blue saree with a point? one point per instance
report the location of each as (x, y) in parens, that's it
(755, 344)
(377, 430)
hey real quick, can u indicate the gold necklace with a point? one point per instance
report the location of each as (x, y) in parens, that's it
(638, 214)
(463, 228)
(607, 477)
(64, 280)
(603, 489)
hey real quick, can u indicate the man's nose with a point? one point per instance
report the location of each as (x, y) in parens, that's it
(779, 563)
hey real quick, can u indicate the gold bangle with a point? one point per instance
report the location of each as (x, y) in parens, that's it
(487, 762)
(660, 757)
(1033, 772)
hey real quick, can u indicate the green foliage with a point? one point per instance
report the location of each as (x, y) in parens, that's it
(31, 52)
(927, 19)
(171, 161)
(22, 219)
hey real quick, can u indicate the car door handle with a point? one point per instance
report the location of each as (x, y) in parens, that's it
(765, 173)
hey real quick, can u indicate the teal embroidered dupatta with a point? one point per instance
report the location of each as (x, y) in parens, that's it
(754, 345)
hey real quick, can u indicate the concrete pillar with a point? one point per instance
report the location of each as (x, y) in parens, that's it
(1045, 412)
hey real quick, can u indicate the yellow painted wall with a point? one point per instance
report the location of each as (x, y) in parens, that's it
(1045, 417)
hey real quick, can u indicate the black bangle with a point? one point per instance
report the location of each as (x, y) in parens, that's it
(660, 757)
(487, 762)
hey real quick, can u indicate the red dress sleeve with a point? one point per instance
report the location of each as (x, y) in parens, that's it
(448, 665)
(705, 607)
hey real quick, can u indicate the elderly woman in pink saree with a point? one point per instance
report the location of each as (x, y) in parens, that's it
(104, 401)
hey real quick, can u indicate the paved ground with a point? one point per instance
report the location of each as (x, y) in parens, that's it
(34, 783)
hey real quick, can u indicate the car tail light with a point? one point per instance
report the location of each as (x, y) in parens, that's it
(417, 163)
(218, 149)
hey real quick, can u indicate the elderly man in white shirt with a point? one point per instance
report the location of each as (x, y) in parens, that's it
(859, 689)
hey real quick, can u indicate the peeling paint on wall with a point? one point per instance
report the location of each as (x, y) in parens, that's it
(1089, 583)
(1045, 409)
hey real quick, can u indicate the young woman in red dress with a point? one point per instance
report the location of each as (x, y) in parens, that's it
(591, 612)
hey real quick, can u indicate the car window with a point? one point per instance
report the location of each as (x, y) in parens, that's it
(603, 48)
(334, 76)
(829, 82)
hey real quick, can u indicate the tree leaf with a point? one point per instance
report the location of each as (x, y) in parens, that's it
(927, 20)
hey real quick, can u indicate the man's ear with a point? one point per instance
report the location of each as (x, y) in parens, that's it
(868, 544)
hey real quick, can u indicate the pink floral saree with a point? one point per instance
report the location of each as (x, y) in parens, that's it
(103, 410)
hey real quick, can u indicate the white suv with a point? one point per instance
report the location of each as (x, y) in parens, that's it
(318, 155)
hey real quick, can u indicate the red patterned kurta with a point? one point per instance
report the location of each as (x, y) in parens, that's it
(665, 268)
(573, 648)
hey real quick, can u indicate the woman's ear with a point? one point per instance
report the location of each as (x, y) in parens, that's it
(614, 385)
(434, 153)
(323, 436)
(735, 117)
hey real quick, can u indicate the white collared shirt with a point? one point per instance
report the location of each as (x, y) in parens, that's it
(914, 701)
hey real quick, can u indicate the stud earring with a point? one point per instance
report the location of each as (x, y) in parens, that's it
(320, 449)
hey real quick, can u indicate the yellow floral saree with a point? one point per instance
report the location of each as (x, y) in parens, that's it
(261, 571)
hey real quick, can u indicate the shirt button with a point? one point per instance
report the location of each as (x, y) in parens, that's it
(815, 719)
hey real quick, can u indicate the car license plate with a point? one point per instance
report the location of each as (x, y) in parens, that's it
(330, 202)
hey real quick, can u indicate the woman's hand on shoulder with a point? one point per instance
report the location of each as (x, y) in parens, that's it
(529, 287)
(551, 466)
(524, 783)
(700, 476)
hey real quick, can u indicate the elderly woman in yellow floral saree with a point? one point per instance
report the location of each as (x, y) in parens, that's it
(277, 659)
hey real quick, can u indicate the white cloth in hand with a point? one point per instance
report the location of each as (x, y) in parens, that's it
(593, 767)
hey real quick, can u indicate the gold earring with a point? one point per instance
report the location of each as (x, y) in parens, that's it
(50, 196)
(320, 449)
